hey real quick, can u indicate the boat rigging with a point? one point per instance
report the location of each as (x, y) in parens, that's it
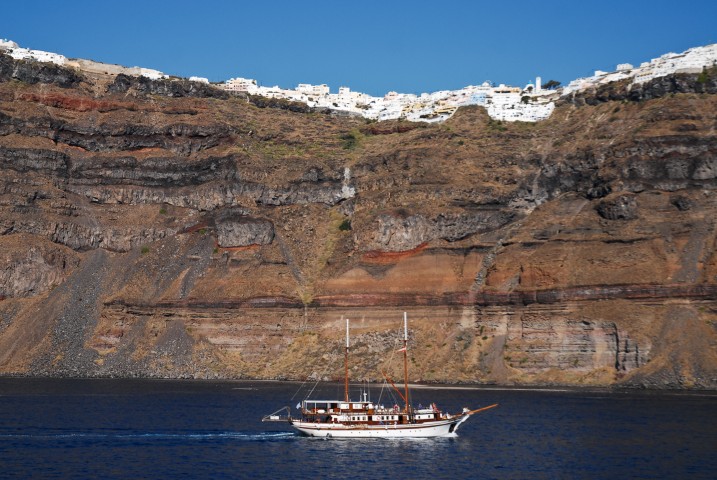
(364, 418)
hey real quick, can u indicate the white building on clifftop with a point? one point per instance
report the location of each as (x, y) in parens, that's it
(529, 104)
(240, 84)
(19, 53)
(689, 61)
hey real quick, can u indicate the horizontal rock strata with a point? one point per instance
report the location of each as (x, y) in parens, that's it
(164, 228)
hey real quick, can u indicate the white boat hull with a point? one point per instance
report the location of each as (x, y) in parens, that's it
(439, 428)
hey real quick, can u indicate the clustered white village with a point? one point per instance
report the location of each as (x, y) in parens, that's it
(530, 103)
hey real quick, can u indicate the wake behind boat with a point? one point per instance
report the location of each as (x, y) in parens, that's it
(365, 419)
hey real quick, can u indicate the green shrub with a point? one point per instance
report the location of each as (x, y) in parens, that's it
(351, 139)
(703, 76)
(345, 225)
(496, 125)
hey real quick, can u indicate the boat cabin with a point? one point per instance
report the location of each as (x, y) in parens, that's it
(336, 411)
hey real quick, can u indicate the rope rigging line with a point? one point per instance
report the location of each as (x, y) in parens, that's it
(384, 385)
(297, 391)
(396, 342)
(323, 374)
(313, 388)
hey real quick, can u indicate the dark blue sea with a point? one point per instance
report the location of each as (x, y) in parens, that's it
(199, 429)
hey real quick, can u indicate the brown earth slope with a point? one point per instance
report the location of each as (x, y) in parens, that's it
(167, 229)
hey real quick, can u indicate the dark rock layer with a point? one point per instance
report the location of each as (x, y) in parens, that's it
(175, 88)
(32, 72)
(655, 88)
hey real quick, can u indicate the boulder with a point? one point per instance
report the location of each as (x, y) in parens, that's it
(621, 207)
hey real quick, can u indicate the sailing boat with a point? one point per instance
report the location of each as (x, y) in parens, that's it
(365, 419)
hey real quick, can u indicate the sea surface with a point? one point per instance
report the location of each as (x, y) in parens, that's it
(52, 428)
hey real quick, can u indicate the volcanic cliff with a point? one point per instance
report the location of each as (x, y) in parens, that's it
(167, 229)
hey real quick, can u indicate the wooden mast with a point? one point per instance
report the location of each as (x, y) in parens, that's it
(405, 359)
(346, 364)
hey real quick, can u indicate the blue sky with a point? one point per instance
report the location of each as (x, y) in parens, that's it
(369, 46)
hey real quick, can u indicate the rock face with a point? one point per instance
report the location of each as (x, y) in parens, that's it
(396, 234)
(166, 229)
(33, 72)
(655, 88)
(546, 341)
(30, 271)
(622, 207)
(169, 88)
(244, 231)
(400, 232)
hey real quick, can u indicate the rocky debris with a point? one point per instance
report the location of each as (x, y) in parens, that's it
(671, 364)
(174, 342)
(243, 231)
(74, 321)
(175, 88)
(32, 72)
(621, 207)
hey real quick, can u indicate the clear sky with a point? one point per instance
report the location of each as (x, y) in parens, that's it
(370, 46)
